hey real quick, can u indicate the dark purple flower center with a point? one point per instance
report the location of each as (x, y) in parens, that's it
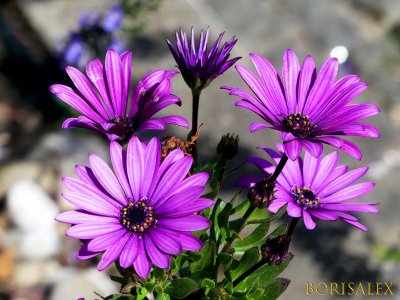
(138, 216)
(305, 197)
(123, 121)
(123, 127)
(298, 125)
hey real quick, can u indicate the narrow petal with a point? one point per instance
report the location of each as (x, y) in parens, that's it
(113, 69)
(322, 84)
(357, 225)
(349, 193)
(166, 240)
(142, 263)
(106, 240)
(176, 120)
(306, 80)
(126, 59)
(152, 162)
(160, 259)
(130, 252)
(107, 178)
(343, 181)
(256, 126)
(272, 83)
(276, 205)
(84, 86)
(79, 217)
(293, 210)
(112, 253)
(290, 73)
(95, 72)
(198, 179)
(90, 231)
(308, 221)
(315, 149)
(326, 166)
(118, 160)
(352, 207)
(293, 149)
(310, 168)
(175, 174)
(188, 223)
(323, 215)
(92, 205)
(84, 253)
(135, 165)
(351, 149)
(67, 95)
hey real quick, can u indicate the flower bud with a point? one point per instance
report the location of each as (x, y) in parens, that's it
(275, 249)
(228, 146)
(262, 193)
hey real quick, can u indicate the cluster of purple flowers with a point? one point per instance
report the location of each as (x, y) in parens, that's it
(96, 34)
(143, 209)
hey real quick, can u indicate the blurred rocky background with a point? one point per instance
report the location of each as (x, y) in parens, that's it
(38, 262)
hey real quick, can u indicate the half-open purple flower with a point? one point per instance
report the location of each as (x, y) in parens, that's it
(198, 65)
(315, 188)
(102, 98)
(308, 109)
(139, 213)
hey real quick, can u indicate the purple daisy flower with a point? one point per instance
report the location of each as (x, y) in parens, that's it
(102, 98)
(199, 66)
(308, 109)
(139, 213)
(315, 188)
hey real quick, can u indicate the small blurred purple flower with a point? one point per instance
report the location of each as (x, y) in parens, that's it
(308, 109)
(315, 188)
(200, 67)
(139, 213)
(74, 51)
(112, 21)
(102, 98)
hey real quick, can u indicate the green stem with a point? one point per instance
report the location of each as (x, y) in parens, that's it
(195, 111)
(240, 227)
(249, 272)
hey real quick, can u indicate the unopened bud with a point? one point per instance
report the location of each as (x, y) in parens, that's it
(276, 249)
(262, 193)
(228, 146)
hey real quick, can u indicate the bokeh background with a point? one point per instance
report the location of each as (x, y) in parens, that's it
(38, 262)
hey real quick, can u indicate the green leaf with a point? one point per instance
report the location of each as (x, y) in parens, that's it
(163, 296)
(223, 221)
(158, 273)
(256, 238)
(275, 288)
(141, 292)
(259, 213)
(270, 217)
(118, 279)
(281, 229)
(241, 208)
(274, 217)
(249, 258)
(208, 258)
(214, 230)
(207, 285)
(225, 260)
(181, 287)
(265, 274)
